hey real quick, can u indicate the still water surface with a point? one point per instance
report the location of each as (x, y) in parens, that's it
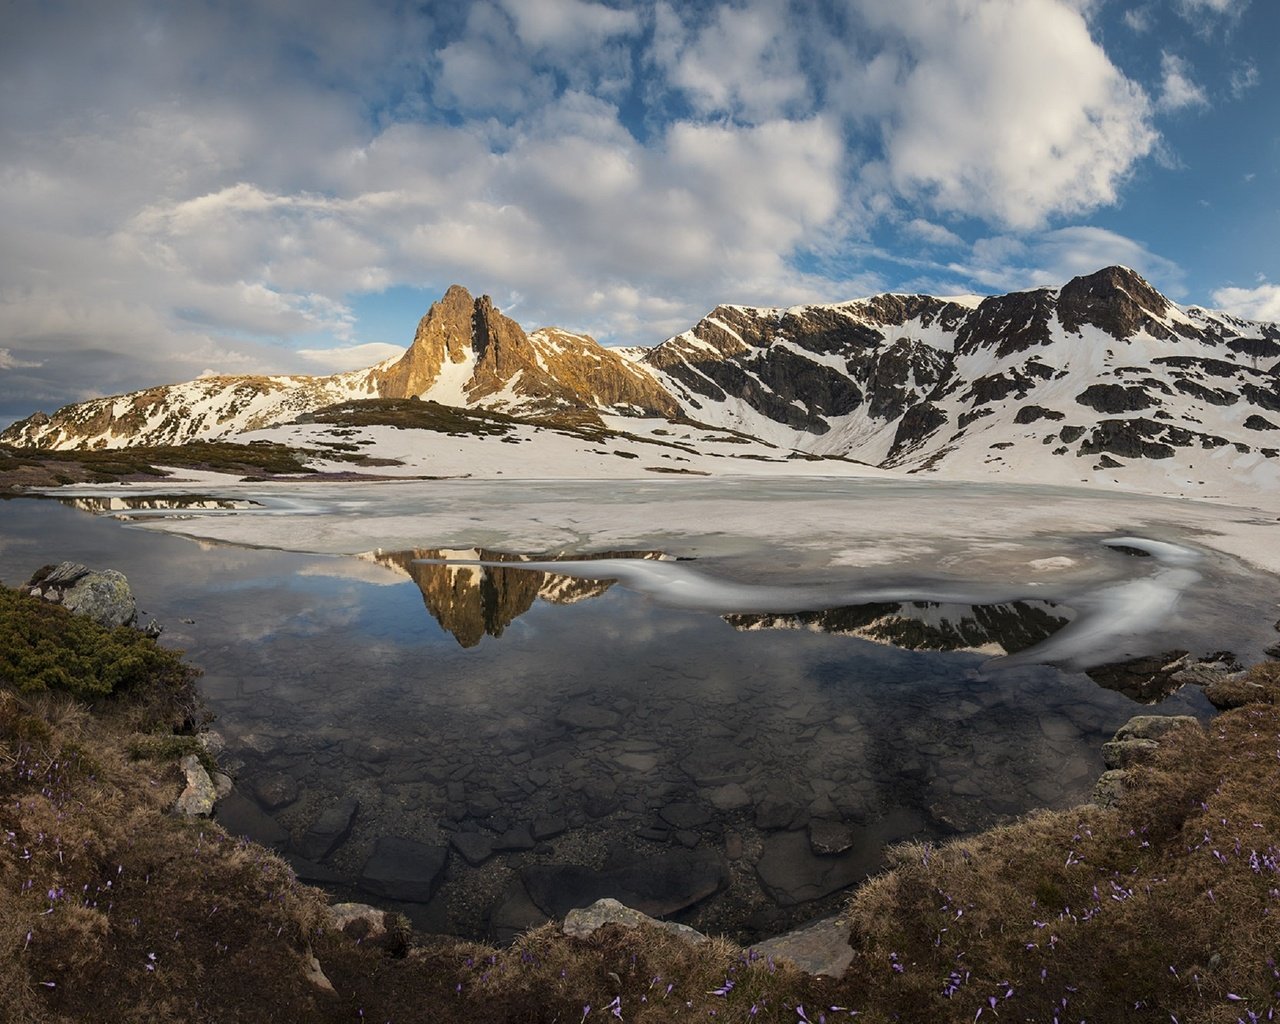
(564, 738)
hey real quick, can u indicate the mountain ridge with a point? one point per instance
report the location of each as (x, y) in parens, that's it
(1103, 369)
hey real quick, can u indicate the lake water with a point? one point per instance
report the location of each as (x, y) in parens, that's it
(564, 737)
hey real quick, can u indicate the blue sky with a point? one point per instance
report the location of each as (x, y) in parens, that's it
(285, 186)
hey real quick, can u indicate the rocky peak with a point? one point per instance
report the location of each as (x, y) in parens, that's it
(443, 334)
(1117, 300)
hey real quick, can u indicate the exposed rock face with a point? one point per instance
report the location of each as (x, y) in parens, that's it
(199, 795)
(101, 595)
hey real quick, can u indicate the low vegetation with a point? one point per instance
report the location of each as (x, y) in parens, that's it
(1164, 908)
(33, 467)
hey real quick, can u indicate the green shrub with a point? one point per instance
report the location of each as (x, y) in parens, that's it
(44, 647)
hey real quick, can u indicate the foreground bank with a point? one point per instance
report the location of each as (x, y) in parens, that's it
(111, 907)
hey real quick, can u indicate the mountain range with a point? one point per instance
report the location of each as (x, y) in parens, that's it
(1101, 379)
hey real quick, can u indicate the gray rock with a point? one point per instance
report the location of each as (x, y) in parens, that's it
(101, 595)
(514, 913)
(730, 797)
(548, 826)
(404, 869)
(820, 948)
(659, 885)
(685, 815)
(829, 837)
(222, 784)
(780, 808)
(329, 830)
(583, 922)
(791, 873)
(1201, 673)
(240, 816)
(367, 925)
(199, 795)
(1153, 727)
(1126, 753)
(599, 797)
(587, 716)
(474, 847)
(1110, 787)
(514, 839)
(277, 790)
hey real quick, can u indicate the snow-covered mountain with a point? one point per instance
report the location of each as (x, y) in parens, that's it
(1103, 379)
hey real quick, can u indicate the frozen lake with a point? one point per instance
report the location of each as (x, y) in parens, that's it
(729, 737)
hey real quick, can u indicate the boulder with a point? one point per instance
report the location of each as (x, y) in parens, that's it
(1126, 753)
(370, 926)
(404, 869)
(1110, 787)
(276, 790)
(583, 922)
(200, 794)
(1153, 727)
(474, 847)
(820, 948)
(684, 815)
(102, 595)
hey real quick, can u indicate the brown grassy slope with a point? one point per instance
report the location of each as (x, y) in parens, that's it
(1166, 908)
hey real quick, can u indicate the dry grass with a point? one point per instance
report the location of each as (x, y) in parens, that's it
(1167, 907)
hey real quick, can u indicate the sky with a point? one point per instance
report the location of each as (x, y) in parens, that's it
(193, 187)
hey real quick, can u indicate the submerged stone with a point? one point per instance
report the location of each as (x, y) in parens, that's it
(404, 869)
(659, 885)
(329, 830)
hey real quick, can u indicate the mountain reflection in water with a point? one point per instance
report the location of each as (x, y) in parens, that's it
(929, 625)
(472, 601)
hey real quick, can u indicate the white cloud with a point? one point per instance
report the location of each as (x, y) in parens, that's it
(1006, 109)
(742, 60)
(350, 357)
(1006, 262)
(1177, 89)
(8, 361)
(932, 234)
(1138, 19)
(572, 24)
(1199, 9)
(1244, 76)
(1260, 303)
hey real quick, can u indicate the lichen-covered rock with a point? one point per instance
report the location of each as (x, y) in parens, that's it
(1110, 787)
(200, 794)
(102, 595)
(583, 922)
(1125, 753)
(821, 948)
(1154, 727)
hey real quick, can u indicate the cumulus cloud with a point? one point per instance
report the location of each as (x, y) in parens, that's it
(193, 187)
(1177, 89)
(1260, 303)
(741, 60)
(1008, 110)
